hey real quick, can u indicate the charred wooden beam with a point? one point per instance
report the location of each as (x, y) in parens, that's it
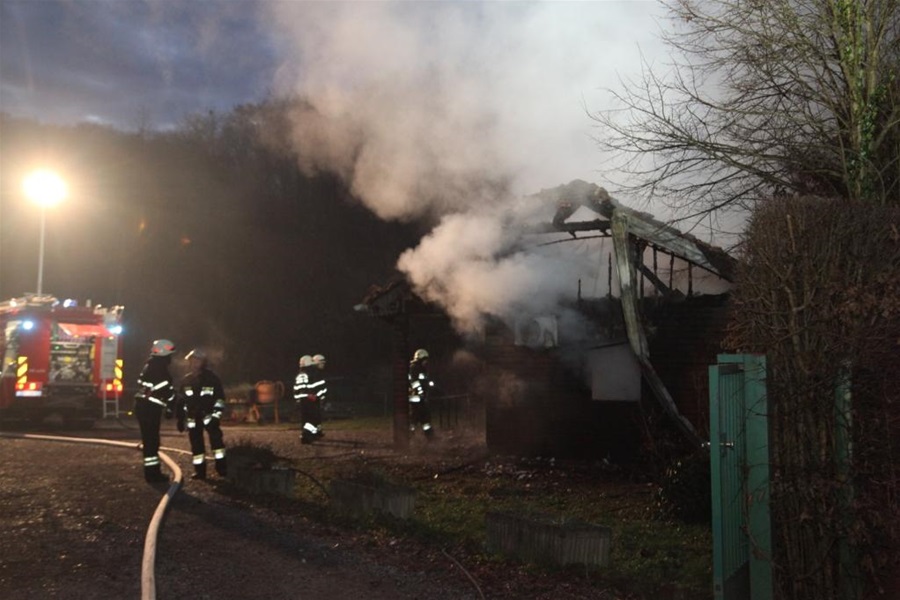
(658, 283)
(682, 245)
(667, 402)
(642, 225)
(571, 228)
(627, 265)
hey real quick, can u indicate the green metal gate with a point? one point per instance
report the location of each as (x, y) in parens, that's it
(739, 461)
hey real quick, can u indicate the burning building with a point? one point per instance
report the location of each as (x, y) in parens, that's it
(572, 365)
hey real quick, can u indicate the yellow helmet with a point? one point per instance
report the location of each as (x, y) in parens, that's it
(421, 354)
(319, 360)
(306, 361)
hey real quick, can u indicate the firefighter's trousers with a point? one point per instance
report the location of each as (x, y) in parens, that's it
(148, 415)
(311, 417)
(195, 429)
(420, 414)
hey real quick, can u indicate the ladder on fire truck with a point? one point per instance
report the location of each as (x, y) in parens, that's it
(112, 391)
(110, 404)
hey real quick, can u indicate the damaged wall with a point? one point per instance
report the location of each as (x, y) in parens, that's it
(687, 339)
(540, 408)
(543, 405)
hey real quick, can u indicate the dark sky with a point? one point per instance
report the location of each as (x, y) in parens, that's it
(521, 75)
(131, 63)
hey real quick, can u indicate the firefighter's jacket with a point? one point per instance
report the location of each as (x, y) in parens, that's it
(155, 384)
(420, 383)
(201, 397)
(310, 385)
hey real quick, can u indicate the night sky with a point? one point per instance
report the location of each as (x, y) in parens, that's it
(147, 64)
(129, 64)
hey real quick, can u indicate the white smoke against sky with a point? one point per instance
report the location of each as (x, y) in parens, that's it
(455, 109)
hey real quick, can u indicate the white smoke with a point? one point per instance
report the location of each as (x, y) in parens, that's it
(473, 264)
(456, 110)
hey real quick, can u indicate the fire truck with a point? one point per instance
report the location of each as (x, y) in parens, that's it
(60, 359)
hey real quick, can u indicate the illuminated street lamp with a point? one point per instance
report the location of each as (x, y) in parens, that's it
(47, 189)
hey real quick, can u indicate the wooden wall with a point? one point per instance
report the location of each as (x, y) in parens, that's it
(536, 406)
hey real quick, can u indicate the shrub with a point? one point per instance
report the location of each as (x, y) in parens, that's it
(684, 491)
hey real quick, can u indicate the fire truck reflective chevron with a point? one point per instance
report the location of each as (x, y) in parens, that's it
(59, 358)
(22, 370)
(116, 384)
(24, 389)
(29, 390)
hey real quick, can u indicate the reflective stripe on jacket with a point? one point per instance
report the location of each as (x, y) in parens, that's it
(155, 384)
(202, 395)
(310, 382)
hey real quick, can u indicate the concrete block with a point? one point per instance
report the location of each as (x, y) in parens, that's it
(547, 540)
(279, 482)
(360, 499)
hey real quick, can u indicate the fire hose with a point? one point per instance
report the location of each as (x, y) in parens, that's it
(148, 564)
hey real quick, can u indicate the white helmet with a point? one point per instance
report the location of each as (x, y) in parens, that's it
(162, 348)
(319, 360)
(421, 354)
(196, 353)
(306, 361)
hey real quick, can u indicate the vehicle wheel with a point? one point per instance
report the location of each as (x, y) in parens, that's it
(55, 420)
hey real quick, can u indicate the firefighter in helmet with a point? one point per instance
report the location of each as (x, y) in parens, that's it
(201, 402)
(420, 385)
(155, 397)
(310, 391)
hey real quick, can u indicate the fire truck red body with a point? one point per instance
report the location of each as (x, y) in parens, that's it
(60, 358)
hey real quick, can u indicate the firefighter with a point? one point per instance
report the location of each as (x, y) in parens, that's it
(201, 402)
(420, 385)
(309, 393)
(155, 397)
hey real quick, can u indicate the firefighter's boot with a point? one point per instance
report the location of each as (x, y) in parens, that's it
(221, 467)
(153, 474)
(199, 471)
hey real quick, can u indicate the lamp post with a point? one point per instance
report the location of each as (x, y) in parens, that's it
(47, 189)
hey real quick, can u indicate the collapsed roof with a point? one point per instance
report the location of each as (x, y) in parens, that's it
(630, 229)
(570, 196)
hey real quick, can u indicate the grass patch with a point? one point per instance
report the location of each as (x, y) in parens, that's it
(647, 553)
(650, 552)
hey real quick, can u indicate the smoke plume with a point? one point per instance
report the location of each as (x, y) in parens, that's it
(456, 111)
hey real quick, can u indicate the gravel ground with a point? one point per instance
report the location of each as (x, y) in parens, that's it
(76, 516)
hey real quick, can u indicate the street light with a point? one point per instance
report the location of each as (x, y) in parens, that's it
(47, 189)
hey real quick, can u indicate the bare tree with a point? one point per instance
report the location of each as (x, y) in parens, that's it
(763, 98)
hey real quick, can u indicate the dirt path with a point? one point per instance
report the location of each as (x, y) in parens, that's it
(74, 524)
(75, 517)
